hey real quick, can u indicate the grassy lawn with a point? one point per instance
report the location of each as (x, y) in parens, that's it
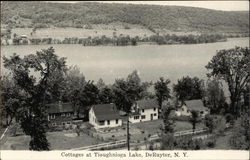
(182, 125)
(67, 140)
(154, 126)
(61, 33)
(57, 140)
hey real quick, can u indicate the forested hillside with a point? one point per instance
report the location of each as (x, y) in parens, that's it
(153, 17)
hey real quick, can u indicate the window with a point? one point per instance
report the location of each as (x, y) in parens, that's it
(201, 112)
(182, 109)
(136, 117)
(142, 110)
(63, 114)
(52, 116)
(154, 109)
(68, 114)
(143, 117)
(108, 122)
(68, 123)
(101, 123)
(155, 114)
(53, 124)
(116, 121)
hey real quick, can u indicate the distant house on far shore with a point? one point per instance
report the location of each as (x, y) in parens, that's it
(144, 110)
(104, 115)
(190, 105)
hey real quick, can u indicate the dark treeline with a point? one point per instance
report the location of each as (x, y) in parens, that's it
(125, 40)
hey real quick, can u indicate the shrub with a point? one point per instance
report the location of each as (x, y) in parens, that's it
(181, 118)
(229, 118)
(241, 134)
(211, 142)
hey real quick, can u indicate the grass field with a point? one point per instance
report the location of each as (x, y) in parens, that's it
(57, 140)
(61, 33)
(67, 140)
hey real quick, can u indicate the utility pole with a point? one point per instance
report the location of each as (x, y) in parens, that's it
(128, 135)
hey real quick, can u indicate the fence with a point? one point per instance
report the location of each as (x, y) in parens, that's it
(120, 143)
(103, 145)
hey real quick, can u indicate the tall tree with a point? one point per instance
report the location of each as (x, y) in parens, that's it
(167, 121)
(100, 84)
(106, 95)
(11, 98)
(86, 96)
(129, 90)
(74, 82)
(162, 90)
(215, 95)
(123, 99)
(233, 66)
(47, 66)
(194, 119)
(189, 88)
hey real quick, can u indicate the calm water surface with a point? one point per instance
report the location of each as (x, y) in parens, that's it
(152, 61)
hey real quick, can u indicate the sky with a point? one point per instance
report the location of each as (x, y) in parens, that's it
(242, 5)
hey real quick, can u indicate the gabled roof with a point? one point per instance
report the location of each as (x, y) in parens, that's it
(147, 103)
(106, 112)
(60, 107)
(196, 105)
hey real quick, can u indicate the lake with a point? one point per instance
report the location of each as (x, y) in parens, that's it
(151, 61)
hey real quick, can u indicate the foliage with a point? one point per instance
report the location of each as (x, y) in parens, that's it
(168, 142)
(194, 119)
(187, 143)
(211, 142)
(209, 123)
(12, 98)
(215, 95)
(154, 17)
(127, 92)
(162, 90)
(168, 123)
(39, 90)
(241, 134)
(232, 65)
(106, 95)
(189, 88)
(220, 125)
(229, 118)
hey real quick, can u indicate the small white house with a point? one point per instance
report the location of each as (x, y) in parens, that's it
(144, 110)
(188, 106)
(104, 115)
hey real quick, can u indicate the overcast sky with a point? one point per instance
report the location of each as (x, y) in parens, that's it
(218, 5)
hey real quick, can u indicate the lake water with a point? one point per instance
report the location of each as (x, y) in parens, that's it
(151, 61)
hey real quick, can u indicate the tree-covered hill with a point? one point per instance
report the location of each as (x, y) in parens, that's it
(153, 17)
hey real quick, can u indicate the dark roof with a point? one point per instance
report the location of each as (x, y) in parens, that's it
(196, 105)
(106, 112)
(147, 103)
(60, 107)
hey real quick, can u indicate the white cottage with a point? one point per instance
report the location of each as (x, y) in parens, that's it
(188, 106)
(144, 110)
(104, 115)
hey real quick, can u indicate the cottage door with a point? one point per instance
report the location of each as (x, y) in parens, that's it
(151, 117)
